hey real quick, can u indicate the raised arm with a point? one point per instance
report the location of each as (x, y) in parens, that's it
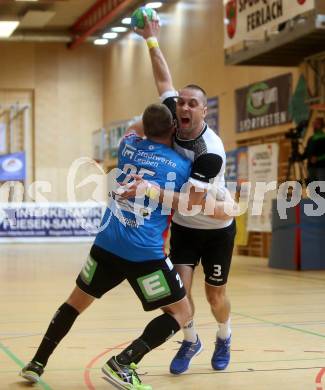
(160, 68)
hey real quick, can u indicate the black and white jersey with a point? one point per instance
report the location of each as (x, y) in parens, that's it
(209, 162)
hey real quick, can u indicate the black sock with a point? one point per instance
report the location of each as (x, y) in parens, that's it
(59, 326)
(159, 330)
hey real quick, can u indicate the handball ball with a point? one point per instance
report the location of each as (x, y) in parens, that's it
(137, 19)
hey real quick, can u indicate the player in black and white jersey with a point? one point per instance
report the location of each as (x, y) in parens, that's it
(199, 237)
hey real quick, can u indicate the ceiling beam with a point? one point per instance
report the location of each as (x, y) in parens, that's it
(98, 16)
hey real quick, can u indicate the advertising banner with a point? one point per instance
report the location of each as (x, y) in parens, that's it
(100, 144)
(242, 164)
(231, 166)
(236, 174)
(262, 170)
(3, 138)
(237, 165)
(48, 221)
(115, 134)
(212, 118)
(263, 104)
(249, 19)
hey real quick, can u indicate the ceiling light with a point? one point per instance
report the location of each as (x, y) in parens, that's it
(155, 4)
(110, 35)
(7, 28)
(101, 41)
(119, 29)
(26, 0)
(126, 21)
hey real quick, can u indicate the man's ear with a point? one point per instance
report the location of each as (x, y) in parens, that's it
(205, 111)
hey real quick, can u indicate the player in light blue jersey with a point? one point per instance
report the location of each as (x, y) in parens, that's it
(142, 224)
(130, 245)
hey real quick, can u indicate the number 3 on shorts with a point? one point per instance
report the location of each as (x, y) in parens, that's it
(154, 286)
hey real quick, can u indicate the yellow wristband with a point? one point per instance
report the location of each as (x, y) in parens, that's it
(152, 192)
(152, 42)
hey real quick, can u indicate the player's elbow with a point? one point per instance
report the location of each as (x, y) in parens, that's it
(164, 86)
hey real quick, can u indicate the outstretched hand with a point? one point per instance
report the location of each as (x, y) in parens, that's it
(134, 189)
(151, 27)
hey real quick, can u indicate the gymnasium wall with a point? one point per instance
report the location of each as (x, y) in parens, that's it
(193, 46)
(67, 89)
(76, 92)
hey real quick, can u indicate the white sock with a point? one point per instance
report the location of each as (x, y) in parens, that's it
(224, 330)
(190, 332)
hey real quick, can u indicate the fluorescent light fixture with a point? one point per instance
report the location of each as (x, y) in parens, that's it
(101, 41)
(110, 35)
(119, 29)
(155, 4)
(126, 21)
(7, 28)
(26, 0)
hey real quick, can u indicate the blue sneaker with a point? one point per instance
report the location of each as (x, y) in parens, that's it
(221, 355)
(182, 359)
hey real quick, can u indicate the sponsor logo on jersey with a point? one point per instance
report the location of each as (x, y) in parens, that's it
(129, 151)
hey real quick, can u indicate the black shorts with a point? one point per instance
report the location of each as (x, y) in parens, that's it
(155, 282)
(213, 247)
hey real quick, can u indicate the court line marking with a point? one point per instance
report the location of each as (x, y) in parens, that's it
(279, 324)
(250, 362)
(90, 386)
(89, 366)
(247, 371)
(318, 379)
(322, 371)
(292, 275)
(16, 360)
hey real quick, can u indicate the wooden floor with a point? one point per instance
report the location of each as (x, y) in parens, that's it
(278, 323)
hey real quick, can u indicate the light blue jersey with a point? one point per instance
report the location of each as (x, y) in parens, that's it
(136, 230)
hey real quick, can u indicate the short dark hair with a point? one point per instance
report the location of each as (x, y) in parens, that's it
(157, 121)
(198, 88)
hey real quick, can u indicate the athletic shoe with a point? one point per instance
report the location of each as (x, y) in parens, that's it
(123, 377)
(32, 372)
(221, 356)
(182, 359)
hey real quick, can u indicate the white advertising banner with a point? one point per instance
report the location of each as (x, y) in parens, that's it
(263, 176)
(41, 222)
(248, 19)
